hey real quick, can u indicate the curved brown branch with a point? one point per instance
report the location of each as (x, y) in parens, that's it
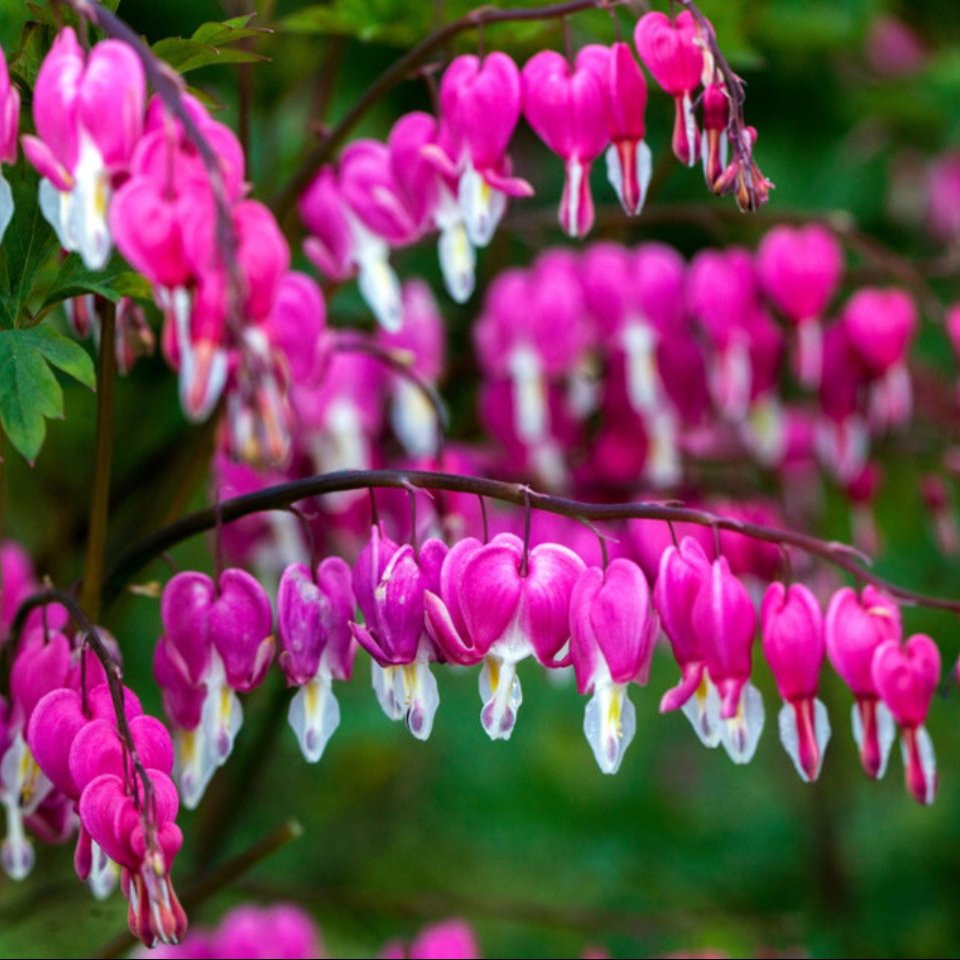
(279, 497)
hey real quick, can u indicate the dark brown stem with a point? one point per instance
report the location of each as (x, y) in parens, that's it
(279, 497)
(100, 496)
(401, 68)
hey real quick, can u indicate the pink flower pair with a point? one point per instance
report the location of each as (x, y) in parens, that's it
(217, 641)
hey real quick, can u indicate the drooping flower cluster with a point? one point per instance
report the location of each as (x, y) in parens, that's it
(452, 173)
(662, 330)
(493, 603)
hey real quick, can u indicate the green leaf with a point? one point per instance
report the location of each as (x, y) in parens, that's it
(227, 32)
(185, 55)
(116, 280)
(29, 392)
(27, 245)
(211, 43)
(397, 22)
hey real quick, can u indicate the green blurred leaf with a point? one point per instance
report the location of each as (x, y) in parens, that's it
(34, 42)
(28, 243)
(387, 21)
(114, 281)
(29, 392)
(227, 32)
(185, 55)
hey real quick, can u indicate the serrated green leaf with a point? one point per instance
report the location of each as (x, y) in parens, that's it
(28, 243)
(29, 392)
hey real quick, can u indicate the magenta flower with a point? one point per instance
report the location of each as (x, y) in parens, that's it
(389, 582)
(854, 628)
(76, 743)
(9, 125)
(612, 634)
(420, 343)
(429, 192)
(447, 940)
(800, 269)
(906, 677)
(880, 325)
(544, 341)
(724, 618)
(88, 111)
(628, 158)
(341, 416)
(714, 141)
(354, 216)
(287, 930)
(500, 603)
(842, 439)
(672, 52)
(567, 108)
(297, 327)
(42, 663)
(480, 101)
(217, 641)
(722, 293)
(314, 609)
(682, 571)
(793, 643)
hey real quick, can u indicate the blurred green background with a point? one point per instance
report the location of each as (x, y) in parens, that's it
(527, 840)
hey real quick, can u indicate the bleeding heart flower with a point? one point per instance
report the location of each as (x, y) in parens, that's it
(906, 677)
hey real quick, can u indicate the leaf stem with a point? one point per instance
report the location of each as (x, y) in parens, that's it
(100, 495)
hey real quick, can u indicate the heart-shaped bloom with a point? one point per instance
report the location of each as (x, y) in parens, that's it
(612, 633)
(628, 158)
(480, 100)
(793, 643)
(314, 609)
(854, 629)
(429, 192)
(88, 110)
(500, 603)
(906, 677)
(724, 619)
(672, 52)
(217, 641)
(567, 108)
(800, 269)
(880, 325)
(389, 582)
(682, 570)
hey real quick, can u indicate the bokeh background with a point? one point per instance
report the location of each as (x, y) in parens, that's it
(527, 840)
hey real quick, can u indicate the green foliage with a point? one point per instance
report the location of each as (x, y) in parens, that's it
(395, 22)
(116, 280)
(211, 43)
(27, 245)
(29, 392)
